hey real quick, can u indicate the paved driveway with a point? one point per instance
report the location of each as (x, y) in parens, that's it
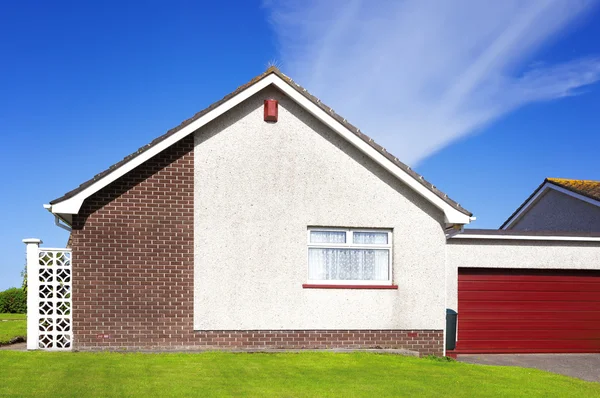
(582, 366)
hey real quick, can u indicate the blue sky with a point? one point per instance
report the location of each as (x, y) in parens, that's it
(484, 101)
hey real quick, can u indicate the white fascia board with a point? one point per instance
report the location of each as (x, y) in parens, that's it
(575, 195)
(529, 237)
(73, 204)
(452, 216)
(547, 186)
(525, 208)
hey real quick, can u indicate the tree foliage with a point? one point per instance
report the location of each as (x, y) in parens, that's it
(13, 301)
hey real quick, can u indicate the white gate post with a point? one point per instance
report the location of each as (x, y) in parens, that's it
(33, 282)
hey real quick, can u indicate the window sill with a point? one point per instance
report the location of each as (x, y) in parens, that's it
(319, 286)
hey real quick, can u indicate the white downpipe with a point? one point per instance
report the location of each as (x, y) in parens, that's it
(32, 255)
(58, 224)
(57, 219)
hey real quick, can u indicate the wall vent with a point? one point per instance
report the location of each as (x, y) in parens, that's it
(271, 107)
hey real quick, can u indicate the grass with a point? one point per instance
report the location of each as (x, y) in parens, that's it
(306, 374)
(12, 326)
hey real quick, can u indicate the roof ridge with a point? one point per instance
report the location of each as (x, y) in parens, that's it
(570, 179)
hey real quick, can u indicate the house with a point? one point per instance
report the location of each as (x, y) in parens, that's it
(269, 221)
(559, 204)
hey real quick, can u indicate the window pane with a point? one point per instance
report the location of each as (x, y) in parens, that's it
(371, 238)
(327, 236)
(348, 264)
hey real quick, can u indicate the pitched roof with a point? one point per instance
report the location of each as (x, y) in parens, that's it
(587, 188)
(270, 71)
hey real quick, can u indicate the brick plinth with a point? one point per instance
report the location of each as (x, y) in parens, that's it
(133, 264)
(423, 341)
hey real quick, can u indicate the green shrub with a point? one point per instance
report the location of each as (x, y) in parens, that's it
(13, 301)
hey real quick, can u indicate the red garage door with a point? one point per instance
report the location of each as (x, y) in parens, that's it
(528, 311)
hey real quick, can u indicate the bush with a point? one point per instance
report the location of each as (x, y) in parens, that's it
(13, 301)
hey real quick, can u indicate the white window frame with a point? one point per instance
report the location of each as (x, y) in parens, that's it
(350, 245)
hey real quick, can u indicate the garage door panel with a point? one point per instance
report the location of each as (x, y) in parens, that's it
(529, 346)
(517, 310)
(525, 274)
(490, 295)
(521, 276)
(533, 335)
(529, 324)
(525, 306)
(533, 315)
(532, 286)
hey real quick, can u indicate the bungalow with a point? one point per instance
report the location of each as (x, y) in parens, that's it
(269, 221)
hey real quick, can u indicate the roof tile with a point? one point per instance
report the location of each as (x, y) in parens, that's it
(589, 188)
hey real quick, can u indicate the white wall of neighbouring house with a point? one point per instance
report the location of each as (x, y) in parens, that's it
(557, 211)
(258, 186)
(522, 254)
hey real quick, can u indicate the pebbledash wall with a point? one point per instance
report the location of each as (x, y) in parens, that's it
(204, 246)
(557, 211)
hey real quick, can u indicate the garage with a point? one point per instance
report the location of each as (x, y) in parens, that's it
(528, 311)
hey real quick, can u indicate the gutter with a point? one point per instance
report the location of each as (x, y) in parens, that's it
(467, 235)
(58, 219)
(454, 230)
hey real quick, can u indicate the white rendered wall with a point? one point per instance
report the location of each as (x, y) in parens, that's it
(258, 186)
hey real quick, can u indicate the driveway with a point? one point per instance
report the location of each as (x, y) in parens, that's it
(582, 366)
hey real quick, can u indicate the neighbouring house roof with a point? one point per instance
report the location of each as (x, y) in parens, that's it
(76, 196)
(588, 190)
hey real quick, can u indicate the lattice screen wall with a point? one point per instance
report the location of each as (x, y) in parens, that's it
(53, 315)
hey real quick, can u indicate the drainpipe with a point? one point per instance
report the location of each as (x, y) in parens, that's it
(451, 231)
(57, 219)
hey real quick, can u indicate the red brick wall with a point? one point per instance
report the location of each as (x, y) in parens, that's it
(133, 256)
(424, 341)
(133, 265)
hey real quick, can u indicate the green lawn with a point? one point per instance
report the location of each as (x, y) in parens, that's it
(305, 374)
(12, 326)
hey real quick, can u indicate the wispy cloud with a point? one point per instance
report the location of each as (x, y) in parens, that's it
(419, 74)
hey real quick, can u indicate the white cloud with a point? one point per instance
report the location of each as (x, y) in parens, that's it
(419, 74)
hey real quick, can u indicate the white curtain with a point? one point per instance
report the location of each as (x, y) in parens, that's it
(371, 238)
(327, 236)
(348, 264)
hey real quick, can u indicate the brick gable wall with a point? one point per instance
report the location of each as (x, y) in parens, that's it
(133, 265)
(133, 256)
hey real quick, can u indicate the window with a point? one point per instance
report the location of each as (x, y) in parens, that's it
(349, 256)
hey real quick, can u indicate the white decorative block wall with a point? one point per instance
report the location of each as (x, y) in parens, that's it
(54, 300)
